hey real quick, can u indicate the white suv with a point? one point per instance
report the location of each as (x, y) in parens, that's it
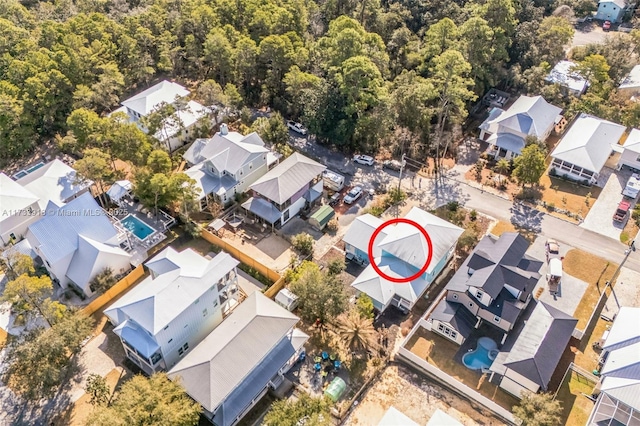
(353, 195)
(297, 127)
(364, 159)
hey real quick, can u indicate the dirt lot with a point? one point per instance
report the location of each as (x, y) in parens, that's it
(415, 397)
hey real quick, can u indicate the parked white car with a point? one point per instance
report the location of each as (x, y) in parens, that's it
(297, 127)
(364, 159)
(353, 195)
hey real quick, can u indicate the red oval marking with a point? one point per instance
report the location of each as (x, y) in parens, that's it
(422, 231)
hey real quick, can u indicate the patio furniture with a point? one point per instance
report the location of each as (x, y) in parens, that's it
(317, 360)
(325, 356)
(333, 357)
(324, 375)
(317, 366)
(302, 356)
(336, 365)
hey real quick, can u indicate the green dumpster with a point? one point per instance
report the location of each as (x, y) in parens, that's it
(335, 389)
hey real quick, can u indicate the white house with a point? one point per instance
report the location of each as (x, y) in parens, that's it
(395, 417)
(245, 356)
(585, 148)
(506, 131)
(356, 240)
(76, 242)
(171, 311)
(281, 193)
(403, 251)
(55, 182)
(611, 10)
(630, 156)
(19, 208)
(618, 391)
(227, 164)
(175, 131)
(630, 86)
(570, 81)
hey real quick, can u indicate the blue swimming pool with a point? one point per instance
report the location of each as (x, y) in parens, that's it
(482, 356)
(137, 227)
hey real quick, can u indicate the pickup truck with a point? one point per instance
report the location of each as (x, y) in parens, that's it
(297, 127)
(622, 211)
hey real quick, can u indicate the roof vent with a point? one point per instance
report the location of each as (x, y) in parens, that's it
(224, 129)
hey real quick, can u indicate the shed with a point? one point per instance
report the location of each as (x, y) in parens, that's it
(321, 217)
(287, 299)
(335, 389)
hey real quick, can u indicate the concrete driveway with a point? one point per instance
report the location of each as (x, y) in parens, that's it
(589, 33)
(600, 217)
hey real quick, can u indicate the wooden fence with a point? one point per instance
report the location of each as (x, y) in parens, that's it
(273, 276)
(114, 291)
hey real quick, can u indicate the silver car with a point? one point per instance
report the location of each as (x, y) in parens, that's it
(353, 195)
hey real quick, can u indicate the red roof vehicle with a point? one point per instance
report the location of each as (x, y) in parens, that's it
(621, 211)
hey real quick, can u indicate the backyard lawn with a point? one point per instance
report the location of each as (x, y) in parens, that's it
(575, 406)
(593, 270)
(501, 227)
(440, 352)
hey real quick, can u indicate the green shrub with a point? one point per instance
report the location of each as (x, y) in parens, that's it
(303, 243)
(255, 274)
(473, 215)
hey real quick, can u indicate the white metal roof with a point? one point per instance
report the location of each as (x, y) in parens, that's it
(632, 143)
(395, 417)
(287, 178)
(86, 261)
(228, 152)
(624, 390)
(407, 243)
(564, 75)
(180, 279)
(145, 102)
(221, 362)
(588, 142)
(440, 418)
(623, 362)
(625, 329)
(632, 80)
(360, 232)
(119, 189)
(181, 119)
(57, 233)
(14, 197)
(55, 181)
(527, 116)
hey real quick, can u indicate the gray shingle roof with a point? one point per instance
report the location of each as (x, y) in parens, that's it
(541, 343)
(228, 152)
(234, 351)
(456, 315)
(287, 178)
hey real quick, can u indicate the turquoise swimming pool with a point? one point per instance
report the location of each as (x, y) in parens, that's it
(482, 356)
(137, 227)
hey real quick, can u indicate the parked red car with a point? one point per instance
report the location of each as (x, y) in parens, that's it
(622, 211)
(606, 26)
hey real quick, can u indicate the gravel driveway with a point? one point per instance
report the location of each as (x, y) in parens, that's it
(588, 33)
(600, 217)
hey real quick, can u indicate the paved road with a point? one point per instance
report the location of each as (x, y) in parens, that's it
(433, 194)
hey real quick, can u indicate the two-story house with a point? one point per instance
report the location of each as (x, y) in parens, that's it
(245, 356)
(165, 316)
(293, 185)
(19, 208)
(76, 242)
(618, 391)
(493, 286)
(227, 164)
(506, 131)
(630, 156)
(400, 251)
(177, 129)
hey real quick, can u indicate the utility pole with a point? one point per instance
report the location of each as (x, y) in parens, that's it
(627, 252)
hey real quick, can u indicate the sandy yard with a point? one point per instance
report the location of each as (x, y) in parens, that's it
(416, 397)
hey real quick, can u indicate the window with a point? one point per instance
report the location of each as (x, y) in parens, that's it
(12, 236)
(155, 358)
(479, 294)
(180, 351)
(186, 325)
(48, 264)
(215, 303)
(250, 166)
(441, 328)
(205, 312)
(470, 271)
(166, 327)
(496, 318)
(92, 288)
(170, 340)
(185, 346)
(454, 335)
(196, 302)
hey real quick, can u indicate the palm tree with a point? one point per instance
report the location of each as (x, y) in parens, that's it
(355, 332)
(503, 167)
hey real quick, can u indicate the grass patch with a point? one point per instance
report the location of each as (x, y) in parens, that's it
(255, 274)
(501, 227)
(440, 353)
(630, 229)
(593, 270)
(3, 338)
(568, 195)
(575, 406)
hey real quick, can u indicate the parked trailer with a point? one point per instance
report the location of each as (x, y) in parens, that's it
(332, 180)
(632, 187)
